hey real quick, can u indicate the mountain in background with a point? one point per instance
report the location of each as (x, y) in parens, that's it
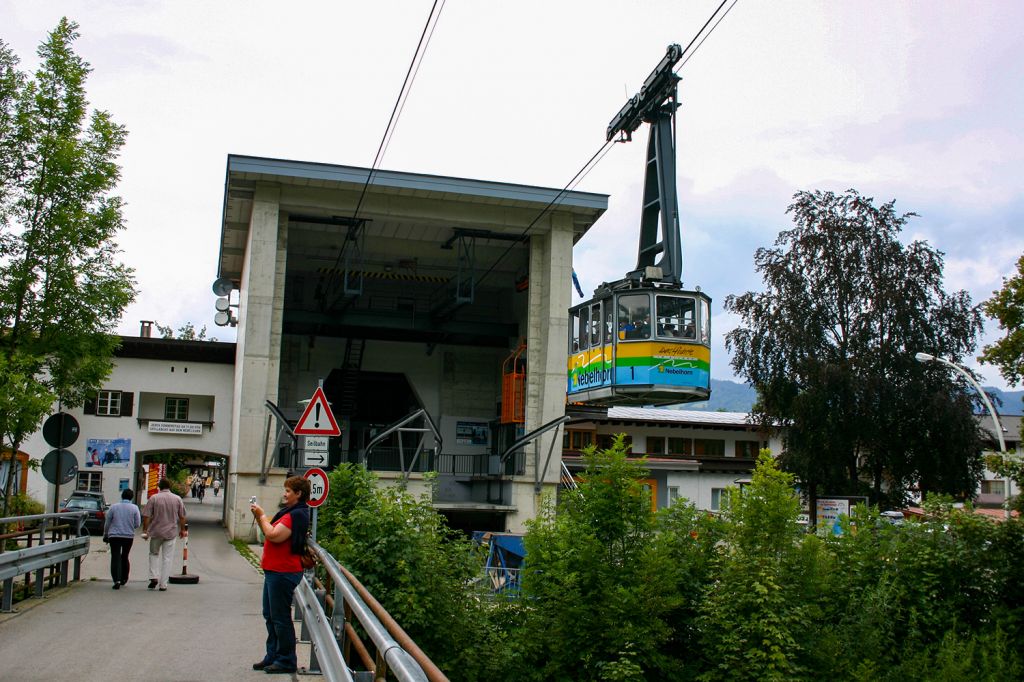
(731, 396)
(1013, 401)
(726, 396)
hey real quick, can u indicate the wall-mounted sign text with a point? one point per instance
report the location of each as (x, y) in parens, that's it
(181, 428)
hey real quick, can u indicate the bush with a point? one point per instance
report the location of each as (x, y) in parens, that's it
(401, 550)
(613, 591)
(21, 505)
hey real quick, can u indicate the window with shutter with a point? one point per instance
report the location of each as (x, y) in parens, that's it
(127, 403)
(108, 404)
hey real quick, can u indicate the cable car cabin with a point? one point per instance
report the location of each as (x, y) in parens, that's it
(622, 354)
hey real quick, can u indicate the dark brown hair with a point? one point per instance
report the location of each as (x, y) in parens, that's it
(297, 484)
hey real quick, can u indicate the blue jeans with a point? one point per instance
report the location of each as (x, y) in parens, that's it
(278, 589)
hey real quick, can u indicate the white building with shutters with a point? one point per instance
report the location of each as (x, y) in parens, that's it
(163, 396)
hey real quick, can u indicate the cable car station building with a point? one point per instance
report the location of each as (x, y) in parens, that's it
(433, 309)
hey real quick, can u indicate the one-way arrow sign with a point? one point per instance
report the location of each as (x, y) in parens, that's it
(315, 450)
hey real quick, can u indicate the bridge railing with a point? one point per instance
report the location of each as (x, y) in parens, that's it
(32, 553)
(329, 615)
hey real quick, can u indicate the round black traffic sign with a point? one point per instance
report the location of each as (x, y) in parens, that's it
(59, 466)
(319, 486)
(60, 430)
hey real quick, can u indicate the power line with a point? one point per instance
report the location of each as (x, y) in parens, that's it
(724, 15)
(415, 73)
(607, 146)
(396, 112)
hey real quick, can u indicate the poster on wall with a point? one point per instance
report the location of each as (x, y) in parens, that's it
(829, 511)
(471, 433)
(108, 452)
(831, 508)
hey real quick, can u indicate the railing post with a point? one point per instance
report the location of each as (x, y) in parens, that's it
(64, 573)
(346, 617)
(8, 598)
(314, 663)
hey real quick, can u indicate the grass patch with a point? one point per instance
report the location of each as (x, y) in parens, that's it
(243, 548)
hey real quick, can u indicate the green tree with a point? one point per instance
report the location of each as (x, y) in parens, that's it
(401, 550)
(186, 332)
(1007, 306)
(613, 588)
(61, 287)
(754, 612)
(829, 347)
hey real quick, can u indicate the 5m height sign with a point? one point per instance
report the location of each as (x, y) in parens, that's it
(318, 486)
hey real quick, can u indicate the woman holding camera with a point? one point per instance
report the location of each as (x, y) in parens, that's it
(282, 570)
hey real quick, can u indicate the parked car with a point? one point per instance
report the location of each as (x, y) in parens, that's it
(893, 517)
(85, 493)
(82, 500)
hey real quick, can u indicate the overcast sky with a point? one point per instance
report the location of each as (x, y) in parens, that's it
(915, 101)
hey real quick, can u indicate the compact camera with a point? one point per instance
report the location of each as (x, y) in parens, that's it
(252, 500)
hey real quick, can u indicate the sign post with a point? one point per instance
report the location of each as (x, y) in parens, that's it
(59, 430)
(317, 424)
(319, 487)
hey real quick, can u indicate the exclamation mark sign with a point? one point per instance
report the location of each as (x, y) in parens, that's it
(316, 423)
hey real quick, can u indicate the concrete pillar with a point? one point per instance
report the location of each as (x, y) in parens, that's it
(549, 298)
(257, 359)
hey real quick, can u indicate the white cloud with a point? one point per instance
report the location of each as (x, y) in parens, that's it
(915, 100)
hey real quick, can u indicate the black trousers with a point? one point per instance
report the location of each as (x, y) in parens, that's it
(119, 566)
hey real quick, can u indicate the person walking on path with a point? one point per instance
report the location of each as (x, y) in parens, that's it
(282, 570)
(216, 487)
(119, 526)
(163, 520)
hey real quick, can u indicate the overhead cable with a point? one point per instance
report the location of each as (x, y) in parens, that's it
(603, 150)
(396, 112)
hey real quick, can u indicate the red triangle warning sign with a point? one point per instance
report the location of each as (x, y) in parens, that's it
(317, 420)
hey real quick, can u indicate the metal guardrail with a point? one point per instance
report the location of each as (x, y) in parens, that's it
(17, 562)
(334, 637)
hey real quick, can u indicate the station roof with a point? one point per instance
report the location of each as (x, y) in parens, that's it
(1011, 428)
(151, 348)
(322, 191)
(651, 414)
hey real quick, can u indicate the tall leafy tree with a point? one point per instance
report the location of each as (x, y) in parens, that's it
(829, 345)
(753, 612)
(1007, 306)
(62, 289)
(614, 588)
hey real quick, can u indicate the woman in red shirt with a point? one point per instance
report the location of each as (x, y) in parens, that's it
(282, 570)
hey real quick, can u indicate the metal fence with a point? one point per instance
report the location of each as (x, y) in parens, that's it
(33, 556)
(330, 613)
(386, 458)
(481, 465)
(391, 459)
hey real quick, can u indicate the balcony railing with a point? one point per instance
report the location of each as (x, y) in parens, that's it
(390, 459)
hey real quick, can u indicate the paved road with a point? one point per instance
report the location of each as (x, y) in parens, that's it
(209, 631)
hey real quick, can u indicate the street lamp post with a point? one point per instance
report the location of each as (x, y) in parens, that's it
(926, 357)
